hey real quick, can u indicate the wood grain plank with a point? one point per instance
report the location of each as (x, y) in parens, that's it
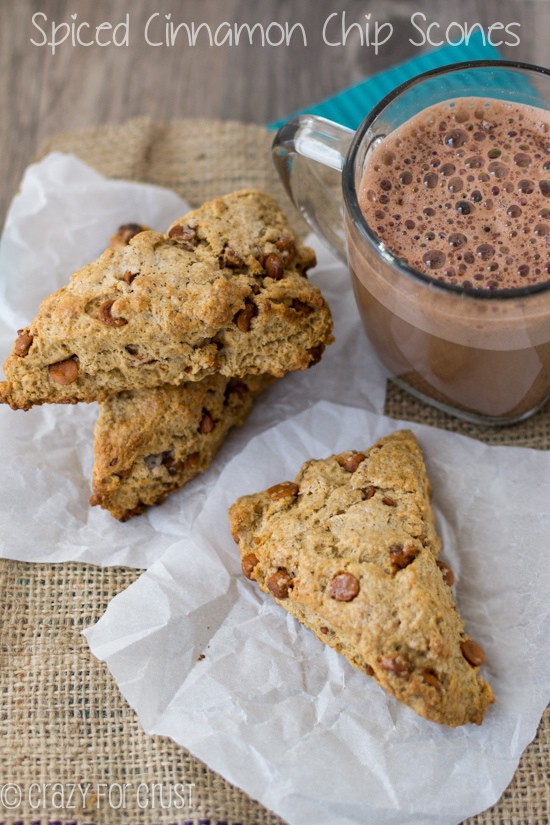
(41, 93)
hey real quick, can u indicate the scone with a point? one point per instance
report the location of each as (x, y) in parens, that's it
(149, 443)
(350, 550)
(222, 292)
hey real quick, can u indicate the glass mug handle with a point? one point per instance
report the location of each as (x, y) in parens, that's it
(309, 153)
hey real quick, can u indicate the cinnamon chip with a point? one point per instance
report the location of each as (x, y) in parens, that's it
(401, 556)
(248, 564)
(351, 462)
(344, 587)
(244, 317)
(231, 259)
(316, 354)
(284, 490)
(273, 266)
(185, 236)
(23, 343)
(125, 233)
(286, 247)
(104, 315)
(472, 652)
(64, 372)
(279, 584)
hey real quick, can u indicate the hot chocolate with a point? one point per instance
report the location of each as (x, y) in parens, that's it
(460, 193)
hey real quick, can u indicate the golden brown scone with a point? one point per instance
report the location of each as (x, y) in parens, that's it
(222, 292)
(125, 233)
(149, 443)
(350, 549)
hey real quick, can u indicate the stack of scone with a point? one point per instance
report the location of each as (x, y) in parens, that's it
(174, 334)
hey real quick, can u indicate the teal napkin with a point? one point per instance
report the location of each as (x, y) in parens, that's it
(350, 106)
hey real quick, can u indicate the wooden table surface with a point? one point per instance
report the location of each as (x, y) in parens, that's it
(42, 93)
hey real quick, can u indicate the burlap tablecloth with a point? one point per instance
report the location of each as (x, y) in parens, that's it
(63, 719)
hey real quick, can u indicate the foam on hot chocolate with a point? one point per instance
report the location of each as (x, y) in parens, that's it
(461, 192)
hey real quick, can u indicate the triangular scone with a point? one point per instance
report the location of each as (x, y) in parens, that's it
(350, 549)
(149, 443)
(223, 291)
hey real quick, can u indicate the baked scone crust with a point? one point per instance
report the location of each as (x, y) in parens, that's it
(149, 443)
(222, 292)
(350, 549)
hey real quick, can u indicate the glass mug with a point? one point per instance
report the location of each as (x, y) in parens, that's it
(481, 355)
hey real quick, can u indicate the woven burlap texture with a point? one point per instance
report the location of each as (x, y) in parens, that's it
(63, 719)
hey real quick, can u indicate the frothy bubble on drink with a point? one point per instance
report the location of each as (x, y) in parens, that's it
(458, 192)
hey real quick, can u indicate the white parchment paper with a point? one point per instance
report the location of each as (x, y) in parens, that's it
(270, 707)
(283, 716)
(61, 219)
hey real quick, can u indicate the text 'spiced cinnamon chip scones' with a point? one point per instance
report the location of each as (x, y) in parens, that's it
(224, 292)
(149, 443)
(350, 549)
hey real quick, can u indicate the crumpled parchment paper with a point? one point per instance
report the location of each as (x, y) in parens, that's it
(285, 717)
